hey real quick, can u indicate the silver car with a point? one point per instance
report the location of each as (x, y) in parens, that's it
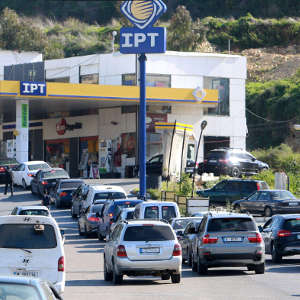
(228, 239)
(141, 248)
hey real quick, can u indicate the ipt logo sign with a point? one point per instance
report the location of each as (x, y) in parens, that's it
(143, 38)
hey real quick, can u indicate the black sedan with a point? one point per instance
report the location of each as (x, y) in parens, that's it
(61, 194)
(45, 180)
(88, 220)
(281, 235)
(4, 163)
(269, 202)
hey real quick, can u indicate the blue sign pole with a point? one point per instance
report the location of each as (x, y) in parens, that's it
(142, 130)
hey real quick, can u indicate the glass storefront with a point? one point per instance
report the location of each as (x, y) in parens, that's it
(152, 80)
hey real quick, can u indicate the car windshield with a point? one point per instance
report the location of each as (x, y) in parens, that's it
(55, 174)
(129, 215)
(181, 223)
(292, 225)
(27, 236)
(109, 195)
(148, 233)
(119, 206)
(16, 291)
(96, 208)
(38, 167)
(230, 224)
(70, 184)
(34, 212)
(151, 212)
(216, 154)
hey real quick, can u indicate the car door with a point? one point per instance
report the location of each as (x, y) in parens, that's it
(263, 200)
(183, 240)
(34, 182)
(17, 174)
(217, 193)
(154, 165)
(249, 203)
(267, 234)
(112, 244)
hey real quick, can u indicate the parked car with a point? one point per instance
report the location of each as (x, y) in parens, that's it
(33, 247)
(24, 288)
(31, 211)
(46, 179)
(186, 239)
(142, 247)
(88, 220)
(111, 212)
(102, 192)
(4, 163)
(125, 214)
(156, 210)
(78, 196)
(228, 239)
(61, 194)
(230, 161)
(179, 224)
(24, 172)
(229, 190)
(269, 202)
(281, 235)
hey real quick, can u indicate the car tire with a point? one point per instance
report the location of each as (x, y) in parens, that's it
(175, 278)
(268, 212)
(237, 208)
(276, 257)
(201, 268)
(117, 279)
(165, 276)
(24, 185)
(194, 265)
(235, 172)
(259, 269)
(108, 276)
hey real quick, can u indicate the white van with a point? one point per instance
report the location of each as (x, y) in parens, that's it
(156, 210)
(32, 246)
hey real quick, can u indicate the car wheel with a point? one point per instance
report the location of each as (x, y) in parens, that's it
(201, 268)
(259, 269)
(276, 257)
(108, 276)
(235, 172)
(175, 278)
(165, 276)
(117, 279)
(268, 212)
(194, 264)
(24, 184)
(237, 208)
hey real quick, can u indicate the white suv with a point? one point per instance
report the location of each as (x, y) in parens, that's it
(141, 248)
(32, 246)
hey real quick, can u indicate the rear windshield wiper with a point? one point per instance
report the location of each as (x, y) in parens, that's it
(25, 250)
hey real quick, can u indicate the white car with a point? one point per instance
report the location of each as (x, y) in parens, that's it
(24, 172)
(33, 210)
(32, 247)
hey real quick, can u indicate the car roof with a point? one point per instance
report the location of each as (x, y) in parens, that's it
(162, 203)
(33, 162)
(71, 180)
(20, 219)
(107, 188)
(228, 215)
(289, 216)
(145, 221)
(244, 180)
(20, 280)
(40, 207)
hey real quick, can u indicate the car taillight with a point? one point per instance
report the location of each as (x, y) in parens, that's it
(223, 161)
(29, 175)
(2, 169)
(255, 239)
(283, 233)
(177, 250)
(63, 194)
(94, 219)
(257, 186)
(121, 252)
(207, 240)
(44, 182)
(61, 264)
(110, 215)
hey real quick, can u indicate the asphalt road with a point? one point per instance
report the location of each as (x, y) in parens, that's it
(84, 270)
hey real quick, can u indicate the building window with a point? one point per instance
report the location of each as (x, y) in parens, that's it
(153, 80)
(61, 79)
(222, 85)
(89, 78)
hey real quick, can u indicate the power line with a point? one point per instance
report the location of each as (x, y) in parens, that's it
(267, 120)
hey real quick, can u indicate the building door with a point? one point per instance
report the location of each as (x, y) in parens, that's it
(74, 158)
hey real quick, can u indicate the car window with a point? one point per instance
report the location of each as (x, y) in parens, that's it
(148, 233)
(187, 228)
(55, 174)
(220, 185)
(253, 197)
(230, 224)
(180, 224)
(232, 186)
(129, 215)
(168, 212)
(27, 236)
(248, 187)
(38, 167)
(217, 155)
(264, 196)
(137, 212)
(97, 208)
(22, 168)
(286, 195)
(70, 184)
(155, 159)
(292, 225)
(116, 233)
(263, 185)
(151, 212)
(202, 225)
(109, 195)
(268, 224)
(14, 291)
(34, 212)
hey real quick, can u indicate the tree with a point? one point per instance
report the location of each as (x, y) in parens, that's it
(182, 36)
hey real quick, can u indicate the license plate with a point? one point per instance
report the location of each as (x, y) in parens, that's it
(212, 161)
(26, 273)
(293, 203)
(149, 250)
(233, 239)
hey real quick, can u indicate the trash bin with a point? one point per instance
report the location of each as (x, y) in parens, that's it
(153, 181)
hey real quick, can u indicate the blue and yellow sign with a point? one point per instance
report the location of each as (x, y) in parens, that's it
(143, 38)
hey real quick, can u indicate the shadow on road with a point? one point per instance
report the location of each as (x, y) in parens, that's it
(286, 266)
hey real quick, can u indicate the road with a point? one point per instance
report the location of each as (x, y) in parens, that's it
(84, 270)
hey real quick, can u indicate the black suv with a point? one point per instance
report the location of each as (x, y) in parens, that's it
(232, 189)
(233, 162)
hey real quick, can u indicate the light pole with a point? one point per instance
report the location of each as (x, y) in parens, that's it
(203, 125)
(114, 33)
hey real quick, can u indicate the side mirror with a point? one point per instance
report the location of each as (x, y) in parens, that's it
(260, 228)
(179, 233)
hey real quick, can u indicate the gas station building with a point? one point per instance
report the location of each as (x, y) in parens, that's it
(83, 111)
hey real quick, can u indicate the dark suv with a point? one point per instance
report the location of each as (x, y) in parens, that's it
(233, 162)
(232, 189)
